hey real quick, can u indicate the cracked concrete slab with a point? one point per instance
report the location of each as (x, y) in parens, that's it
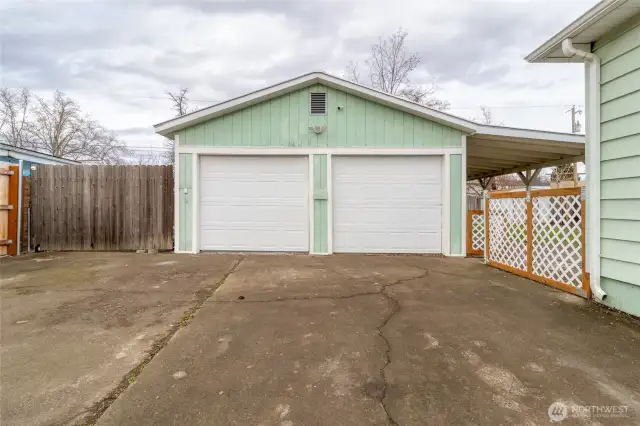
(402, 340)
(74, 324)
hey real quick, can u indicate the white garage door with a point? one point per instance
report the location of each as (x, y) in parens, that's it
(387, 204)
(254, 203)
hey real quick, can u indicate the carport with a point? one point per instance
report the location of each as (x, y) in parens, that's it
(537, 234)
(494, 151)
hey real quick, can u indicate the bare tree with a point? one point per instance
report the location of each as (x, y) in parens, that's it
(424, 95)
(60, 129)
(149, 158)
(14, 116)
(389, 66)
(486, 116)
(351, 72)
(180, 104)
(179, 100)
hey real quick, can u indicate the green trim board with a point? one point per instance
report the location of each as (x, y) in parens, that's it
(455, 211)
(185, 202)
(320, 224)
(351, 121)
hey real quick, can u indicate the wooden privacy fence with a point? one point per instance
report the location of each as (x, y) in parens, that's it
(102, 207)
(540, 237)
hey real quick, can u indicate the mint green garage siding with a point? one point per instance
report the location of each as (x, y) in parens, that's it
(284, 122)
(620, 166)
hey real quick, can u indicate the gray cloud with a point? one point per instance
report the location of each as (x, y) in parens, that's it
(129, 52)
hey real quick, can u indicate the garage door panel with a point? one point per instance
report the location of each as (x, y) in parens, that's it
(254, 203)
(243, 239)
(390, 243)
(428, 219)
(387, 204)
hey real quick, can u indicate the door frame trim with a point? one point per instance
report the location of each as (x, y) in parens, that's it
(195, 243)
(445, 218)
(198, 151)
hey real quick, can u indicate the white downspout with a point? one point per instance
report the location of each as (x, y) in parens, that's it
(593, 162)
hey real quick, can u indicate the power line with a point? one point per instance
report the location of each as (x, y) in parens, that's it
(513, 106)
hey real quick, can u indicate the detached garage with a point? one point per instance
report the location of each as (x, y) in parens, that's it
(321, 165)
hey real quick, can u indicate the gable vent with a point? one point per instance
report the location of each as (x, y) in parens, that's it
(318, 103)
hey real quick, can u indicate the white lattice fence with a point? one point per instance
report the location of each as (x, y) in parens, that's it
(557, 243)
(476, 232)
(508, 232)
(542, 239)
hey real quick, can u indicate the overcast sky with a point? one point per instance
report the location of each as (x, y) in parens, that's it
(117, 57)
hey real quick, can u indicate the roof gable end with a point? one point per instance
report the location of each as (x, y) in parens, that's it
(168, 128)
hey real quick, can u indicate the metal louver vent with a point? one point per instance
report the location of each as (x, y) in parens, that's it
(318, 103)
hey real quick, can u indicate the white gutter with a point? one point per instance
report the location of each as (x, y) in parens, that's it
(593, 162)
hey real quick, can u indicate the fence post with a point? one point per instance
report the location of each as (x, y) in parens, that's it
(529, 231)
(469, 232)
(485, 194)
(14, 211)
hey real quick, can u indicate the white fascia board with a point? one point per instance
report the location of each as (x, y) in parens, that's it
(512, 132)
(168, 127)
(590, 17)
(34, 157)
(309, 151)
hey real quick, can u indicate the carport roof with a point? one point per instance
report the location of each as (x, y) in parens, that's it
(494, 151)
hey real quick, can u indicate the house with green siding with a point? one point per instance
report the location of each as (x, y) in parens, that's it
(607, 40)
(321, 165)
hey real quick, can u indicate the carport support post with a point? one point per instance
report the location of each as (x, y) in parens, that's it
(485, 207)
(527, 178)
(485, 183)
(529, 230)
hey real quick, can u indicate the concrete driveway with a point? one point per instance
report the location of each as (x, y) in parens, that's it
(345, 339)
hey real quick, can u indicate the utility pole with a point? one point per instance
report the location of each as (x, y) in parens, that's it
(576, 126)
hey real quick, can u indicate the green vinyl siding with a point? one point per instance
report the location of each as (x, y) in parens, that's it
(619, 52)
(455, 167)
(620, 148)
(620, 229)
(320, 205)
(622, 295)
(284, 122)
(185, 230)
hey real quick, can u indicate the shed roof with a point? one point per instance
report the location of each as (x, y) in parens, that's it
(587, 29)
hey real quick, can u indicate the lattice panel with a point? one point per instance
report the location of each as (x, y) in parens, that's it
(477, 232)
(508, 232)
(556, 238)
